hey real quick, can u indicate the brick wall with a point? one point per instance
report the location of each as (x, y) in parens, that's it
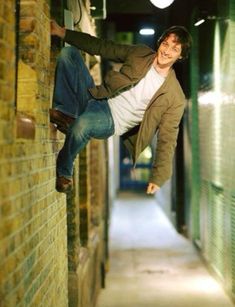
(51, 246)
(85, 278)
(33, 245)
(7, 71)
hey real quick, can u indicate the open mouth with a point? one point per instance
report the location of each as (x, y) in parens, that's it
(166, 57)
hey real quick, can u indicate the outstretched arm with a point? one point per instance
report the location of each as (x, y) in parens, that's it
(93, 45)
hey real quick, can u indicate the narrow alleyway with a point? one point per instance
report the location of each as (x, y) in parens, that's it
(151, 265)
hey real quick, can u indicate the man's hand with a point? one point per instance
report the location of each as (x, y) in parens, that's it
(152, 188)
(57, 30)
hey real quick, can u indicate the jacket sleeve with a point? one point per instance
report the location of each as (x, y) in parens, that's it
(97, 46)
(166, 143)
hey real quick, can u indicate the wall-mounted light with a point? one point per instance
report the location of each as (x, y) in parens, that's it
(98, 9)
(146, 31)
(161, 4)
(210, 17)
(199, 22)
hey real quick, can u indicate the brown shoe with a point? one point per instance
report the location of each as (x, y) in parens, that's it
(63, 185)
(61, 120)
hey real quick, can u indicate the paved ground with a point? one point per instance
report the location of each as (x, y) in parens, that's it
(151, 265)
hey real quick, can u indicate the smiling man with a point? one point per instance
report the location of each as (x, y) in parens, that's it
(142, 99)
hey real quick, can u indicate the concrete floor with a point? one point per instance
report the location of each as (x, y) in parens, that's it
(151, 265)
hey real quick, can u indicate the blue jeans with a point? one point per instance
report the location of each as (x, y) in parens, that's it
(71, 96)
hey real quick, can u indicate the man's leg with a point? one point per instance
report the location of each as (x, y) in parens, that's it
(72, 80)
(95, 122)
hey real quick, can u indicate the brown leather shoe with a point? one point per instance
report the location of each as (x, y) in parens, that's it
(61, 120)
(63, 185)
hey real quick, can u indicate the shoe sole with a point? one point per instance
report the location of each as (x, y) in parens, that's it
(66, 191)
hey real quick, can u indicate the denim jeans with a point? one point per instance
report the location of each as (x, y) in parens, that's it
(71, 96)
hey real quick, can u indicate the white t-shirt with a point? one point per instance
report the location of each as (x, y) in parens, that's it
(128, 107)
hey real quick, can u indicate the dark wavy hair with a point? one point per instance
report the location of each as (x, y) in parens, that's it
(182, 36)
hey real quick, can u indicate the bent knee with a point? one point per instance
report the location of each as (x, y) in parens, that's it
(80, 128)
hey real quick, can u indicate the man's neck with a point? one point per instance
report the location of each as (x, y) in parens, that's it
(161, 69)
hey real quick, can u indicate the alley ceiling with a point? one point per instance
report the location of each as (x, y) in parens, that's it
(129, 15)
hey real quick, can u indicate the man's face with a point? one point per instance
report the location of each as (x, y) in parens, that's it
(169, 51)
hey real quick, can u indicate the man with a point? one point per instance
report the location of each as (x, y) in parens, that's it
(143, 98)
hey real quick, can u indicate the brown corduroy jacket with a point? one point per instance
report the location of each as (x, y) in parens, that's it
(163, 113)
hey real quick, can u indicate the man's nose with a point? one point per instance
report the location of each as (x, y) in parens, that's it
(167, 50)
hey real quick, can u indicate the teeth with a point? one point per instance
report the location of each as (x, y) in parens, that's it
(165, 56)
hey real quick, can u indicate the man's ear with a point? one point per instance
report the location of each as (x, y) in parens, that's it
(179, 58)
